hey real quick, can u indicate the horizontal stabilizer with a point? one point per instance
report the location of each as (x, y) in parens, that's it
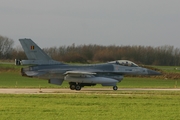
(56, 81)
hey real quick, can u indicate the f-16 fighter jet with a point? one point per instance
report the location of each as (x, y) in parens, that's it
(78, 76)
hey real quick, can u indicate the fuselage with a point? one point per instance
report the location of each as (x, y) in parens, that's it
(109, 70)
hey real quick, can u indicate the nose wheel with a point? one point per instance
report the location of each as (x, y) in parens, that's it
(115, 88)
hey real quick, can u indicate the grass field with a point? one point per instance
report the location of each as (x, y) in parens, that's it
(171, 69)
(107, 105)
(120, 105)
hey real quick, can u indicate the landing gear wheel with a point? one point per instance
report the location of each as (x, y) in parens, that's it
(115, 87)
(78, 87)
(72, 87)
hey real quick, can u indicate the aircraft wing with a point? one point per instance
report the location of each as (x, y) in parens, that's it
(74, 73)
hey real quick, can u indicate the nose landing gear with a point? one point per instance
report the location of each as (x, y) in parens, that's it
(115, 88)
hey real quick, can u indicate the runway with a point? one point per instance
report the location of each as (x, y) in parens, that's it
(68, 91)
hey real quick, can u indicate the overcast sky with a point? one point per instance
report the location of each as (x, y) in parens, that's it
(104, 22)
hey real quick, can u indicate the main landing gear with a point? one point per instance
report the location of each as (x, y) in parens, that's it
(74, 86)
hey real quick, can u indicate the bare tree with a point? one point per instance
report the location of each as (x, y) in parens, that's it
(18, 53)
(6, 45)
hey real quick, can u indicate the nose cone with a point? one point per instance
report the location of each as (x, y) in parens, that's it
(152, 72)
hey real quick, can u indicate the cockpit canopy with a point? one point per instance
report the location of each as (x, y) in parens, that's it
(124, 63)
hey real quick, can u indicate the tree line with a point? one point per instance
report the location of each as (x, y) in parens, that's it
(162, 55)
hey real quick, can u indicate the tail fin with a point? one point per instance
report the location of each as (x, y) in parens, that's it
(35, 55)
(33, 51)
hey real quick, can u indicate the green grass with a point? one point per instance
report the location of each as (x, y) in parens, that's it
(9, 67)
(15, 80)
(121, 105)
(171, 69)
(136, 82)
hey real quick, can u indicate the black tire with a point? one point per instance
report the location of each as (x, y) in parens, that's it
(115, 88)
(78, 87)
(72, 87)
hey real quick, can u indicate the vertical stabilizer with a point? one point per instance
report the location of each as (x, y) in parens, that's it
(33, 51)
(35, 55)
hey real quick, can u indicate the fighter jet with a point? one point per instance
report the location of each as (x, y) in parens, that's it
(78, 76)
